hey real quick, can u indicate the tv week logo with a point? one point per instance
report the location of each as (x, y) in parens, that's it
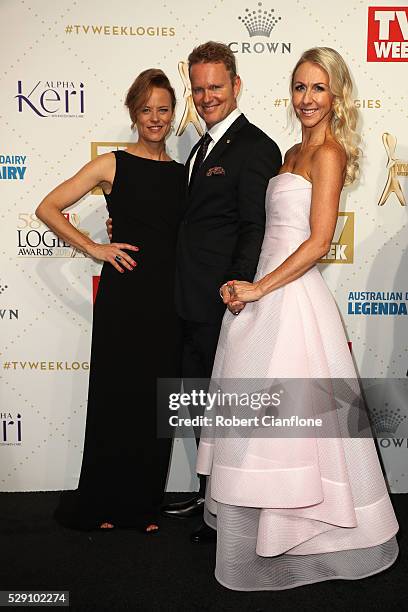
(387, 39)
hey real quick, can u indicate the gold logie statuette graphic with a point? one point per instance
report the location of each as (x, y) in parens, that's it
(342, 246)
(396, 168)
(97, 148)
(190, 114)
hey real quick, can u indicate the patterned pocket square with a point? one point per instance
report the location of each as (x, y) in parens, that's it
(215, 170)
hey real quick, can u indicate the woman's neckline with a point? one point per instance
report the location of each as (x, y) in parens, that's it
(294, 174)
(166, 161)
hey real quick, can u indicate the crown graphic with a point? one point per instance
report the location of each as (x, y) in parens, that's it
(3, 288)
(259, 22)
(386, 420)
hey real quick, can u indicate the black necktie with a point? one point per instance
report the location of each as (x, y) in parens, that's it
(200, 157)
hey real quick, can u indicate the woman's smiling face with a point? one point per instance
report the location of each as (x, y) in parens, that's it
(312, 99)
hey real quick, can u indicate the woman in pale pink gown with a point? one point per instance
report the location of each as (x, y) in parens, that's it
(296, 510)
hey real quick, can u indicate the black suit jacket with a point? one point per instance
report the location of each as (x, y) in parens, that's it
(224, 222)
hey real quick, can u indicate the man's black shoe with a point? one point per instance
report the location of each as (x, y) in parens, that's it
(203, 534)
(185, 509)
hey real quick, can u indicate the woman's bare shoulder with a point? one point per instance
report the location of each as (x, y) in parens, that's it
(291, 153)
(329, 159)
(332, 150)
(107, 160)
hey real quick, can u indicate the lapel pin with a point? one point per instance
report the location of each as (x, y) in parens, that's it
(228, 141)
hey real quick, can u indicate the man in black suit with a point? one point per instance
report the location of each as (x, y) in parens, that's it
(220, 238)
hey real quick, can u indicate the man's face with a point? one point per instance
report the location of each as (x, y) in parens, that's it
(214, 94)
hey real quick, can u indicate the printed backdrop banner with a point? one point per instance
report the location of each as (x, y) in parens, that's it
(66, 67)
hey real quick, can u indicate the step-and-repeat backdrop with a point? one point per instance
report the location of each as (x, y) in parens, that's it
(65, 69)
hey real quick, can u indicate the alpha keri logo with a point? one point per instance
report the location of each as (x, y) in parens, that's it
(98, 148)
(260, 22)
(342, 246)
(387, 36)
(396, 168)
(11, 429)
(51, 98)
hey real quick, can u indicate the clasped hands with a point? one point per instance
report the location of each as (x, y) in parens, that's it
(235, 294)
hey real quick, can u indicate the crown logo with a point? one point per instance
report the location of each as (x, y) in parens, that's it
(259, 22)
(386, 420)
(3, 288)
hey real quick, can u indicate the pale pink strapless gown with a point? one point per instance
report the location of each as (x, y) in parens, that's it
(288, 511)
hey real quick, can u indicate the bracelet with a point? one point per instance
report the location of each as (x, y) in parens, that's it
(219, 291)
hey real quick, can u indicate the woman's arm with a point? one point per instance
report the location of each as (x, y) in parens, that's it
(327, 173)
(98, 171)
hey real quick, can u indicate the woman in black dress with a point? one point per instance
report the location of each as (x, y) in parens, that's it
(135, 337)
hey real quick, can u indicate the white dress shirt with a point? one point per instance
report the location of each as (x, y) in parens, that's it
(217, 132)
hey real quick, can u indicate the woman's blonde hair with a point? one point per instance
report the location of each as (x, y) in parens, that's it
(345, 115)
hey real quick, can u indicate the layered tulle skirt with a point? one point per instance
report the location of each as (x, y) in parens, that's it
(294, 509)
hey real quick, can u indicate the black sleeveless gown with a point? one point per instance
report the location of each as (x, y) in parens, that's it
(135, 339)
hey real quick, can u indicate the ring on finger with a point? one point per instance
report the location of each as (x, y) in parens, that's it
(118, 258)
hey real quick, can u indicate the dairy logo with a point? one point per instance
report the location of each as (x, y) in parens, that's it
(13, 167)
